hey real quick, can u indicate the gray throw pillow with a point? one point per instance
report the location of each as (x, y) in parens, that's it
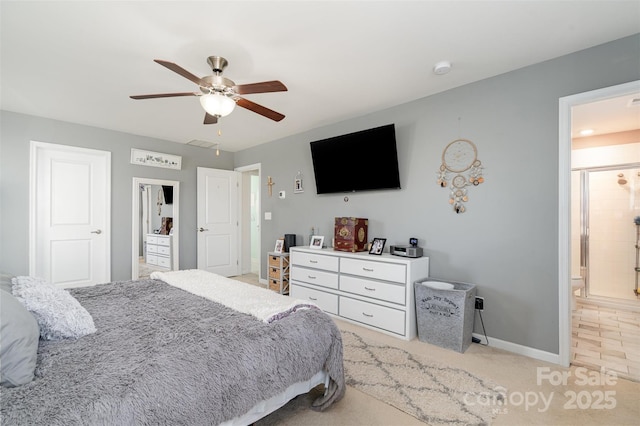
(19, 336)
(59, 314)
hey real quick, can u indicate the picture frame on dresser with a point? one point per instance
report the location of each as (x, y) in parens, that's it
(316, 241)
(279, 246)
(377, 246)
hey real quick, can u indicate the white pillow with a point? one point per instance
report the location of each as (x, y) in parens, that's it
(59, 314)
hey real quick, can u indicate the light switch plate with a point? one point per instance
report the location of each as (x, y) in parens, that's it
(267, 215)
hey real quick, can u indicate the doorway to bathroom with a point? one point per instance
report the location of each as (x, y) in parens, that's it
(605, 202)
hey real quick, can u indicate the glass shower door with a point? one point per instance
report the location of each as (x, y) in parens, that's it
(613, 202)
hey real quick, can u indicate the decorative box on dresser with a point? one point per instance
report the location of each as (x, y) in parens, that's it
(159, 250)
(279, 272)
(371, 290)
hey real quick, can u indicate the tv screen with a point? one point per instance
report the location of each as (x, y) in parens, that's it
(360, 161)
(168, 194)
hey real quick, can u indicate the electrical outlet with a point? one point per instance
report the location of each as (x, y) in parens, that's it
(479, 303)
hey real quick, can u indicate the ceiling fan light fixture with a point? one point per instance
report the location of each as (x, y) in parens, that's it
(217, 105)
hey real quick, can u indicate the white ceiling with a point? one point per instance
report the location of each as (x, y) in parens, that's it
(79, 61)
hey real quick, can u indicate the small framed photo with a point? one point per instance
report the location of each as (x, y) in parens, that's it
(279, 246)
(316, 242)
(377, 245)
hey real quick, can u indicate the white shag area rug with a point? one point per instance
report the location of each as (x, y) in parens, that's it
(434, 393)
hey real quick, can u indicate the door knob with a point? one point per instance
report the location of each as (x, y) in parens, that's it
(202, 229)
(97, 231)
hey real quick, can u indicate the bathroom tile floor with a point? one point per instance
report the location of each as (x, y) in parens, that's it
(606, 337)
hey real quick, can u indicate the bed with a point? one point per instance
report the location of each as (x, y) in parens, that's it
(170, 350)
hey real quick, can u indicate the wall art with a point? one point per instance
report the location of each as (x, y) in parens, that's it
(155, 159)
(460, 168)
(297, 184)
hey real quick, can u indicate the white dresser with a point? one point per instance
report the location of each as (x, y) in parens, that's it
(159, 250)
(371, 290)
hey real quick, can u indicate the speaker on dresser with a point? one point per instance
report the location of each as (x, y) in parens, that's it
(289, 241)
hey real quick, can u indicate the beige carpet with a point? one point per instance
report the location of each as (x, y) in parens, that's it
(433, 393)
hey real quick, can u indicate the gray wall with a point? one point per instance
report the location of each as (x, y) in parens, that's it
(507, 241)
(17, 130)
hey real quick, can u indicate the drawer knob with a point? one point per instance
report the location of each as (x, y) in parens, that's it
(311, 278)
(367, 315)
(312, 298)
(370, 289)
(367, 269)
(313, 261)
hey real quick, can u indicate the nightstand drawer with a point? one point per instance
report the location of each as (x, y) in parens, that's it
(274, 273)
(378, 270)
(325, 301)
(393, 293)
(375, 315)
(275, 261)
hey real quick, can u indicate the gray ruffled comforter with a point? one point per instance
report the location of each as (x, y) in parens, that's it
(165, 356)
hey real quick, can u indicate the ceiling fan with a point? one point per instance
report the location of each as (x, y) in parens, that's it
(219, 95)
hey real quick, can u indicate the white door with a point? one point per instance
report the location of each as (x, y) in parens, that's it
(218, 221)
(70, 235)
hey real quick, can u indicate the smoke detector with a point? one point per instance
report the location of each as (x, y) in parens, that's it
(442, 67)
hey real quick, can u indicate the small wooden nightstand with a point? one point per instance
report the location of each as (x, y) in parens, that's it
(278, 271)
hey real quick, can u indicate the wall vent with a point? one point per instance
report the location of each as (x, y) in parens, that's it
(201, 144)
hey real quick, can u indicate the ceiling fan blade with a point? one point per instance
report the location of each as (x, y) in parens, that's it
(179, 70)
(259, 109)
(210, 119)
(164, 95)
(263, 87)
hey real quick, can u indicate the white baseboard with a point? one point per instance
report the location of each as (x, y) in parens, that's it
(520, 349)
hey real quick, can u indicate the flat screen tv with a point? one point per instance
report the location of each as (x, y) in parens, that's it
(360, 161)
(168, 194)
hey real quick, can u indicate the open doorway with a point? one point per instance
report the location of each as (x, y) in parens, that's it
(594, 318)
(251, 223)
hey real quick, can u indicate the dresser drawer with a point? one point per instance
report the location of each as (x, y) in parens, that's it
(152, 259)
(164, 241)
(152, 248)
(379, 270)
(325, 301)
(394, 293)
(328, 263)
(314, 276)
(374, 315)
(152, 239)
(164, 250)
(164, 262)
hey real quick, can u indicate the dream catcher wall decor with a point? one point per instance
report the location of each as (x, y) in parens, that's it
(460, 168)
